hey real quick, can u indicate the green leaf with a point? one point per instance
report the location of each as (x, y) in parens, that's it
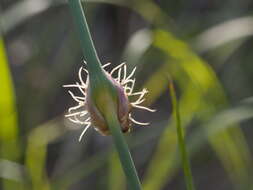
(9, 148)
(202, 96)
(181, 141)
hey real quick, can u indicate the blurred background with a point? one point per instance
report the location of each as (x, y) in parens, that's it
(204, 45)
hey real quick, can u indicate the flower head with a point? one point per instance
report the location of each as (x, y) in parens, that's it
(87, 114)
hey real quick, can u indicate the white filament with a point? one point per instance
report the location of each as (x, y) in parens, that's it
(74, 113)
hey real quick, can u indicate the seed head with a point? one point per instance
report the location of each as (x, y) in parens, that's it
(87, 112)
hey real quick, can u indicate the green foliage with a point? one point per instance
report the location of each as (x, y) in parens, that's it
(202, 96)
(209, 60)
(180, 139)
(9, 148)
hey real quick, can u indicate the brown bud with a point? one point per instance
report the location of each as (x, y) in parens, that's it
(123, 109)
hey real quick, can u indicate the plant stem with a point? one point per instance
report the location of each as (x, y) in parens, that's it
(185, 161)
(97, 76)
(123, 152)
(93, 62)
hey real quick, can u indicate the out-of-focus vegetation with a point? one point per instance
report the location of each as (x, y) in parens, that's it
(205, 46)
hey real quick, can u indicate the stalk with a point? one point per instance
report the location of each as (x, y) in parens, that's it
(101, 86)
(87, 45)
(180, 136)
(123, 152)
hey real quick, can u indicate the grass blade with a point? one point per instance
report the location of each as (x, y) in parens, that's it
(202, 97)
(185, 161)
(9, 149)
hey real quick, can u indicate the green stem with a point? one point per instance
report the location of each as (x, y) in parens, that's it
(97, 77)
(93, 62)
(123, 151)
(185, 161)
